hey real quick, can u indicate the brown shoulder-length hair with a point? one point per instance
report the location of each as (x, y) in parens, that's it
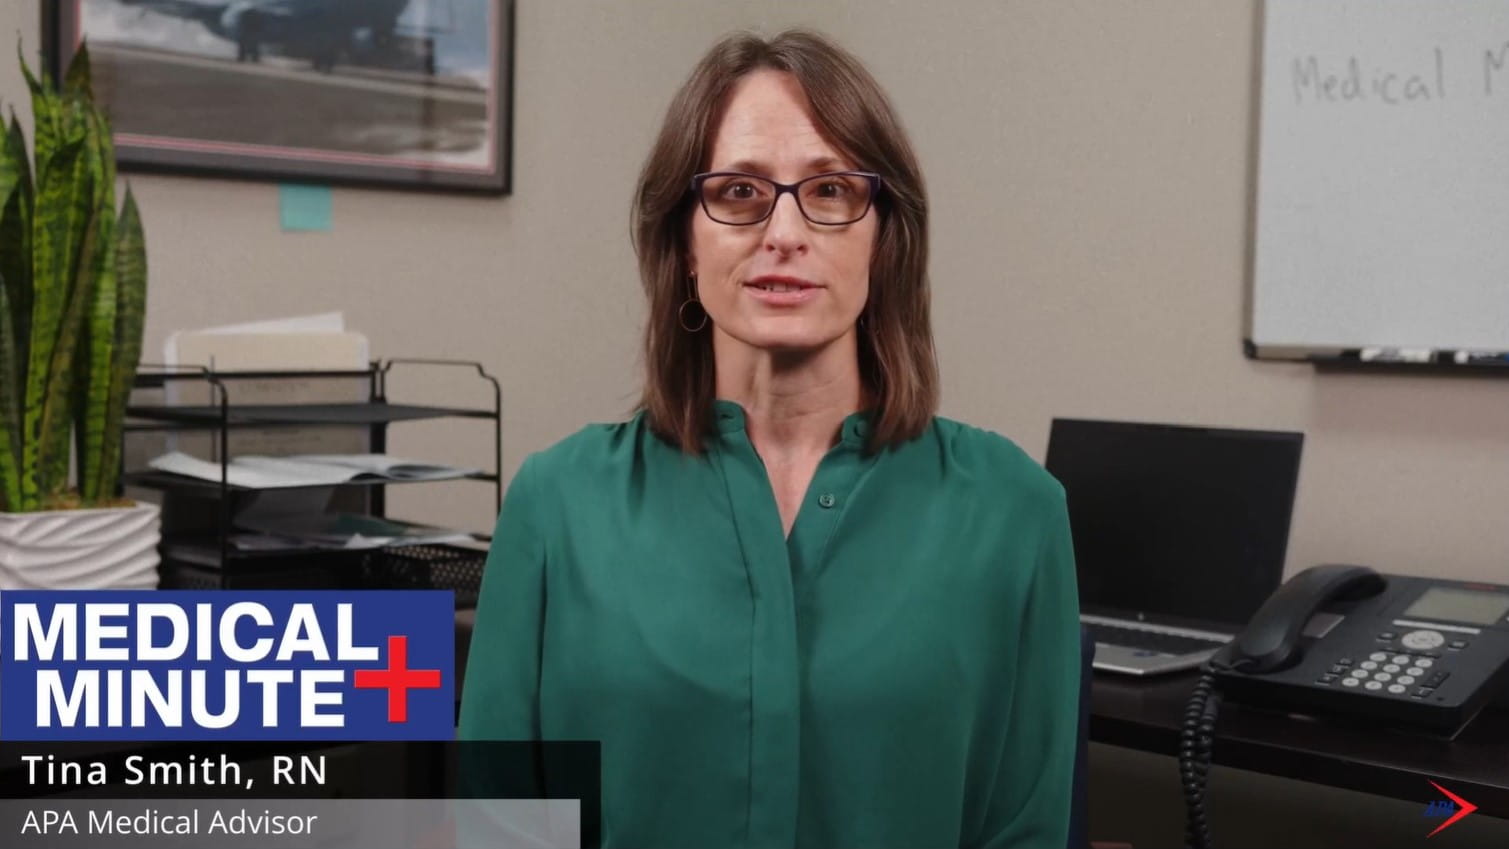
(897, 363)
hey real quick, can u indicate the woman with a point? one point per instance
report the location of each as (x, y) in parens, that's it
(795, 607)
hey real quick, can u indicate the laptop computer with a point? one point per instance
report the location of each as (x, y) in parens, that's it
(1179, 533)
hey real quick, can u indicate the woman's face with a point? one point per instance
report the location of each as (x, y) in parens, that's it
(784, 284)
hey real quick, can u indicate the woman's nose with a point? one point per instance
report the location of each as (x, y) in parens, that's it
(786, 231)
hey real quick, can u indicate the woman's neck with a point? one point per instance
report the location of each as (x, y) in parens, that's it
(794, 402)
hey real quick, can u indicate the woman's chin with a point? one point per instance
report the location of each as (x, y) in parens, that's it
(786, 336)
(792, 345)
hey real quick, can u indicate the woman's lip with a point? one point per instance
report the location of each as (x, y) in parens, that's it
(780, 280)
(790, 297)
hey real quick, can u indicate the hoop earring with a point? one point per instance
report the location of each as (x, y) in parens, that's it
(681, 313)
(681, 316)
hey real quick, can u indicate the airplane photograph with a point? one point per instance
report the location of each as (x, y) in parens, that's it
(323, 31)
(387, 91)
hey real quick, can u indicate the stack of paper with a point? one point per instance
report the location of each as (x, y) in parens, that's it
(384, 466)
(262, 472)
(338, 531)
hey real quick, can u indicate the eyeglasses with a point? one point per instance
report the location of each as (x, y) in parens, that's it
(838, 197)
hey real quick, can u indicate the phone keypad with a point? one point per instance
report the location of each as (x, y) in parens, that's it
(1395, 671)
(1405, 663)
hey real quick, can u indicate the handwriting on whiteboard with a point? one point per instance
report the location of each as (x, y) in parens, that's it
(1436, 75)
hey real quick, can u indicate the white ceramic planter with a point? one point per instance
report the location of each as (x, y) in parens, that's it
(112, 548)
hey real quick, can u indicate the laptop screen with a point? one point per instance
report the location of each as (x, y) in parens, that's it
(1176, 524)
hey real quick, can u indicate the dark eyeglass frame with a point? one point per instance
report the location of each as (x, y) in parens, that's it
(876, 184)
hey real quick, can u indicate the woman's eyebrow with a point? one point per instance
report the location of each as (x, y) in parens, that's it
(815, 165)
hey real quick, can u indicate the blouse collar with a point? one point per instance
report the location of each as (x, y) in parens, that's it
(732, 418)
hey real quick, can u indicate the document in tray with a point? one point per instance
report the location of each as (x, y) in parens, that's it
(261, 472)
(315, 343)
(343, 531)
(385, 466)
(252, 476)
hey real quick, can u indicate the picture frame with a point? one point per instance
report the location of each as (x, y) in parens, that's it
(406, 94)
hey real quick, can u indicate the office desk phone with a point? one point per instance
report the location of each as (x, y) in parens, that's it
(1409, 651)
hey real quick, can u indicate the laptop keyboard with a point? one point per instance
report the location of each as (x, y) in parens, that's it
(1150, 640)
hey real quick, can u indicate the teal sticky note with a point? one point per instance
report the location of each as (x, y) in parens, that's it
(304, 207)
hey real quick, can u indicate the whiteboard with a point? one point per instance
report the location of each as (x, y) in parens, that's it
(1382, 205)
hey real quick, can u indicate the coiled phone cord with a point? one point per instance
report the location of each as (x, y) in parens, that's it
(1194, 757)
(1195, 739)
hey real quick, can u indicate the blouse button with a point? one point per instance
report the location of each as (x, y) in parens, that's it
(826, 499)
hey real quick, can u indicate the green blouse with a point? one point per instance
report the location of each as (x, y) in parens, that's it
(903, 670)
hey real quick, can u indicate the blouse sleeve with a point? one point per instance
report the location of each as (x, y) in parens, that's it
(500, 693)
(1031, 805)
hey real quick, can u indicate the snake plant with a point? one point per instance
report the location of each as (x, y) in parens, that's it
(73, 283)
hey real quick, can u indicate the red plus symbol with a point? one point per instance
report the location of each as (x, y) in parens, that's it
(398, 678)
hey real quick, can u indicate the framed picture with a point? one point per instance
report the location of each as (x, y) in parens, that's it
(401, 93)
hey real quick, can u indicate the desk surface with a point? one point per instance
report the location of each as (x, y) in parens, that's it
(1146, 715)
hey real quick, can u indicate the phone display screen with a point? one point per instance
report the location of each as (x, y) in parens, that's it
(1449, 603)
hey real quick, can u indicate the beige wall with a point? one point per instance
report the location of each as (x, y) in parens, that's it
(1088, 165)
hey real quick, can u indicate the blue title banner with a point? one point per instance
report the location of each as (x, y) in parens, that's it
(227, 665)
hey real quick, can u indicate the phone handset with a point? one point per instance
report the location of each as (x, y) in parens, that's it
(1270, 642)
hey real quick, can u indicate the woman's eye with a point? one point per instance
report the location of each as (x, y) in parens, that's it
(739, 191)
(832, 189)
